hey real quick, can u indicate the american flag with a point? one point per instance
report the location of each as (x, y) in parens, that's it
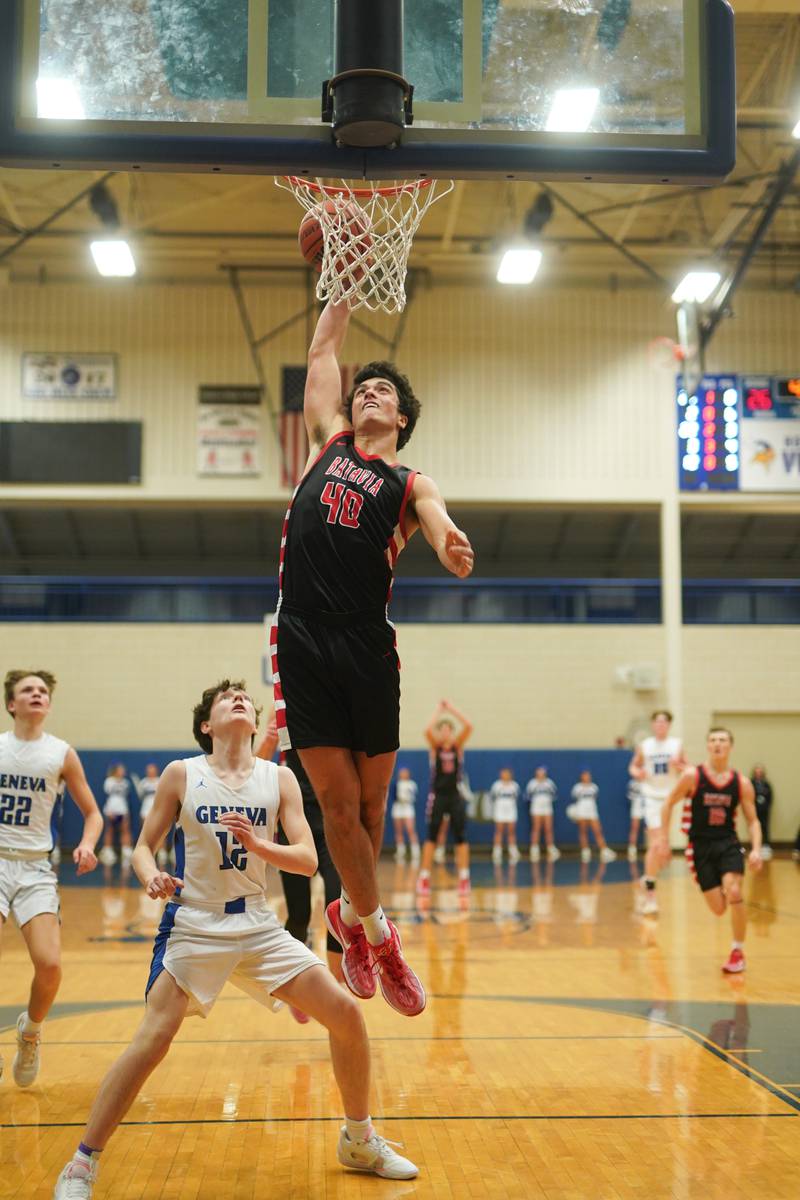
(291, 424)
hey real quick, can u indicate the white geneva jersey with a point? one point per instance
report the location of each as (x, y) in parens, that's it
(218, 872)
(406, 791)
(30, 784)
(505, 790)
(541, 789)
(657, 755)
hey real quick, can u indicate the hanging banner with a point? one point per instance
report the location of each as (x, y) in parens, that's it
(229, 431)
(63, 376)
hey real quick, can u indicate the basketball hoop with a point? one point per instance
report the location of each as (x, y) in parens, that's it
(367, 236)
(664, 354)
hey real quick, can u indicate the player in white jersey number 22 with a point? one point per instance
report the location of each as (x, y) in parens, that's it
(217, 926)
(34, 766)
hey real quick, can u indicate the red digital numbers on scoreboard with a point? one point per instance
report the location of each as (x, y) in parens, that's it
(758, 399)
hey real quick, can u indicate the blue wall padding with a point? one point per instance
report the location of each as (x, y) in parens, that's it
(609, 770)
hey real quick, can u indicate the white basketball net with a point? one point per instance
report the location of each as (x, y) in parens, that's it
(367, 236)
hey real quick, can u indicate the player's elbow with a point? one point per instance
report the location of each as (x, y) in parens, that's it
(311, 863)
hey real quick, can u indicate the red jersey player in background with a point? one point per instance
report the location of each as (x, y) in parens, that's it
(712, 792)
(337, 681)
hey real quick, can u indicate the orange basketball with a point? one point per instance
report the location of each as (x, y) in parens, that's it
(311, 241)
(350, 225)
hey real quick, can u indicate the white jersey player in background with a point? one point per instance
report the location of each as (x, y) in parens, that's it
(217, 926)
(34, 766)
(657, 763)
(542, 793)
(404, 815)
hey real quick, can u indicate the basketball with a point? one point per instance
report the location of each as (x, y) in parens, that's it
(347, 225)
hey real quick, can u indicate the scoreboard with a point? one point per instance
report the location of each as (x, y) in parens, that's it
(739, 433)
(708, 436)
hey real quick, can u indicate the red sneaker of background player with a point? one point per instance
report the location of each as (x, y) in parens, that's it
(735, 962)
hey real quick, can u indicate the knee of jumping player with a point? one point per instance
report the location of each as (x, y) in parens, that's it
(732, 889)
(373, 808)
(344, 1017)
(47, 967)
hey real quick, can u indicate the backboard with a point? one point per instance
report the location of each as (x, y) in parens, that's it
(517, 89)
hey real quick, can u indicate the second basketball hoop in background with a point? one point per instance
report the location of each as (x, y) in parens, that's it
(359, 239)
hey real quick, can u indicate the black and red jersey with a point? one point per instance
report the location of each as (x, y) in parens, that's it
(344, 528)
(445, 768)
(712, 807)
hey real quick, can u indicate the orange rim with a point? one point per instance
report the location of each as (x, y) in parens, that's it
(362, 193)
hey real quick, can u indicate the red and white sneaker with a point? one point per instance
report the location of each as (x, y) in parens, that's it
(424, 885)
(356, 962)
(735, 964)
(464, 887)
(400, 986)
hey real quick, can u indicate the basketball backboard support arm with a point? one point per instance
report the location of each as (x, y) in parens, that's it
(498, 143)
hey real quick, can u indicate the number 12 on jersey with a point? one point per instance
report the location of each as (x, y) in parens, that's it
(238, 855)
(344, 505)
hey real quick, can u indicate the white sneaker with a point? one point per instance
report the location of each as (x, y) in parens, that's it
(25, 1066)
(76, 1181)
(127, 853)
(607, 854)
(535, 853)
(649, 900)
(439, 854)
(553, 853)
(633, 853)
(586, 854)
(55, 855)
(497, 854)
(766, 853)
(400, 854)
(374, 1155)
(107, 856)
(513, 854)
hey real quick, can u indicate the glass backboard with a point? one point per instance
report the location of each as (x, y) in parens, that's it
(600, 89)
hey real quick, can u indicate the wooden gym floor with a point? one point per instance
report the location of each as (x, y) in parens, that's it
(570, 1050)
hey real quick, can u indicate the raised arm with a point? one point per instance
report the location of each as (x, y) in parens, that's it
(467, 727)
(451, 545)
(269, 743)
(322, 405)
(430, 731)
(74, 777)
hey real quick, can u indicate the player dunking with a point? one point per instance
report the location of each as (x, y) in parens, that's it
(712, 792)
(337, 679)
(655, 764)
(34, 766)
(217, 926)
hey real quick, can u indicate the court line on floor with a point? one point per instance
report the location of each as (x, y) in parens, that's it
(310, 1041)
(714, 1116)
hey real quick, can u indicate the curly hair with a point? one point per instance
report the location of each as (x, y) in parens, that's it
(407, 402)
(202, 710)
(13, 678)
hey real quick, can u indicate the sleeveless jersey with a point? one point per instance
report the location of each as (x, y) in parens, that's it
(30, 785)
(543, 789)
(344, 528)
(713, 807)
(216, 869)
(657, 755)
(446, 769)
(405, 791)
(502, 790)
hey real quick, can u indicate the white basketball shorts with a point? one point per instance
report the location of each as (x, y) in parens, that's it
(203, 949)
(28, 887)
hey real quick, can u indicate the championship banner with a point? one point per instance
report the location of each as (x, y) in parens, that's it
(69, 376)
(229, 431)
(770, 435)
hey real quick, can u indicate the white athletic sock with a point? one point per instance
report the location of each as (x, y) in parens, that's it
(737, 946)
(346, 910)
(463, 873)
(424, 874)
(359, 1131)
(376, 927)
(29, 1026)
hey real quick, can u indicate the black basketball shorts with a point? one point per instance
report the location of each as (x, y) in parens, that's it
(336, 685)
(714, 857)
